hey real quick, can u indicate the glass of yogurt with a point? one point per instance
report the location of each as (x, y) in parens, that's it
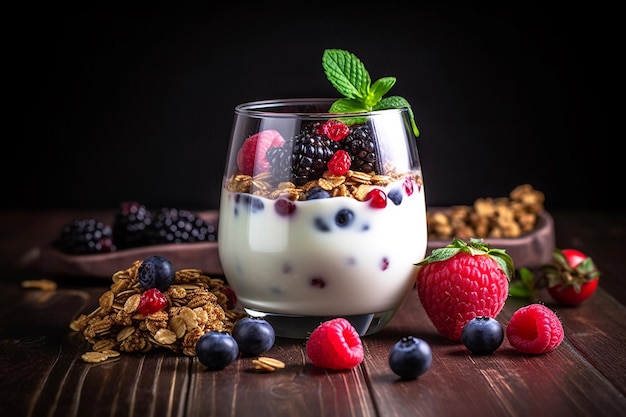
(322, 215)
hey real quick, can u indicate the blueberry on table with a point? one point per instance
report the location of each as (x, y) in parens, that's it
(482, 335)
(410, 357)
(156, 272)
(216, 350)
(254, 335)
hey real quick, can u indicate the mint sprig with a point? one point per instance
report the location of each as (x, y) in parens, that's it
(349, 76)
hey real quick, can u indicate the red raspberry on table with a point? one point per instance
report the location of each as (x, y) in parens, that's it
(151, 301)
(335, 344)
(251, 158)
(461, 281)
(535, 329)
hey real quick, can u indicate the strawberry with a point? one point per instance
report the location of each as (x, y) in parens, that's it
(461, 281)
(251, 158)
(572, 277)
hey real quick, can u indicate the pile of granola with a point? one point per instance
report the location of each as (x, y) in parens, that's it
(504, 217)
(196, 305)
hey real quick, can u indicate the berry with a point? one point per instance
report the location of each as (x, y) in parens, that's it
(361, 146)
(173, 225)
(317, 193)
(151, 301)
(335, 344)
(340, 162)
(534, 329)
(395, 196)
(377, 198)
(407, 184)
(461, 281)
(482, 335)
(344, 218)
(572, 277)
(156, 272)
(410, 357)
(254, 335)
(216, 350)
(129, 225)
(86, 236)
(251, 158)
(284, 207)
(334, 130)
(304, 158)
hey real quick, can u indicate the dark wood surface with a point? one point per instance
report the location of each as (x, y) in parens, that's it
(42, 374)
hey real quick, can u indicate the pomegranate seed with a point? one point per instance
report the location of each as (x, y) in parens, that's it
(377, 198)
(408, 186)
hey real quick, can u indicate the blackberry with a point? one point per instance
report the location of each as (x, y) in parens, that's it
(130, 225)
(85, 236)
(305, 158)
(361, 145)
(173, 225)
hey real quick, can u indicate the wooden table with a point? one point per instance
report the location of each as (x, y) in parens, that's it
(42, 374)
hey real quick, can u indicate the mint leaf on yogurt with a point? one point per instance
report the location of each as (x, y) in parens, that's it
(349, 76)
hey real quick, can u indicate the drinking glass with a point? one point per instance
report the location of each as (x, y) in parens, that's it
(322, 215)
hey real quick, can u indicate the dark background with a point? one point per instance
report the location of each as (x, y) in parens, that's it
(111, 103)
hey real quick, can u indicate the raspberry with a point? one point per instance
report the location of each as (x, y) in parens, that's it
(535, 329)
(377, 198)
(335, 344)
(251, 157)
(340, 163)
(151, 301)
(335, 130)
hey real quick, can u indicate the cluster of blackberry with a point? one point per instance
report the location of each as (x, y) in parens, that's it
(134, 225)
(305, 158)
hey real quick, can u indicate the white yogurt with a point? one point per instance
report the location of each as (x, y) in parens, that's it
(309, 264)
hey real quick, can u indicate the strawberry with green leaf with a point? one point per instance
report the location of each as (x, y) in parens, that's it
(461, 281)
(572, 277)
(348, 75)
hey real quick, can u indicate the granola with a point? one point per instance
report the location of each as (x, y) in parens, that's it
(504, 217)
(196, 305)
(354, 184)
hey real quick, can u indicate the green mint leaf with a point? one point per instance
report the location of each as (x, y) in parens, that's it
(349, 76)
(347, 105)
(378, 90)
(346, 73)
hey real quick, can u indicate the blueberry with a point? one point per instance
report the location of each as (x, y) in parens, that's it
(344, 218)
(254, 335)
(410, 357)
(482, 335)
(395, 195)
(316, 193)
(156, 272)
(321, 225)
(216, 350)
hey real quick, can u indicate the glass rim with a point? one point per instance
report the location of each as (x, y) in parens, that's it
(268, 108)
